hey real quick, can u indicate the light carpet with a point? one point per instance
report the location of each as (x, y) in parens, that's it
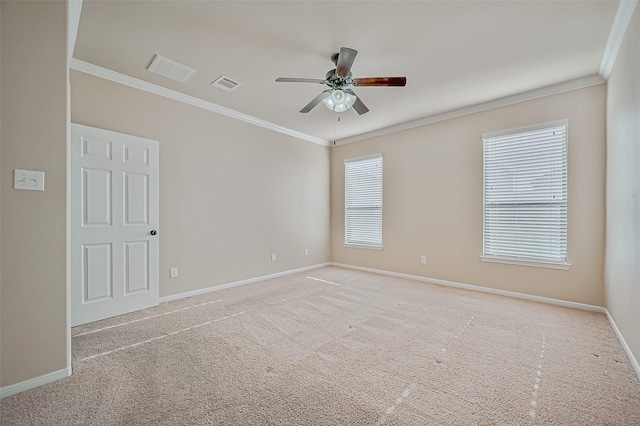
(341, 347)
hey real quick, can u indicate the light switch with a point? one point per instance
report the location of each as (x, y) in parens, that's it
(28, 180)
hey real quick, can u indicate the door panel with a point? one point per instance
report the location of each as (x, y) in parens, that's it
(96, 197)
(136, 154)
(114, 208)
(96, 271)
(136, 199)
(96, 148)
(136, 254)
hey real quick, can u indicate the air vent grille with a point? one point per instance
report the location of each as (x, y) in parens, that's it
(171, 69)
(225, 83)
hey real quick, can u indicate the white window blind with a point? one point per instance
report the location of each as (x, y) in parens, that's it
(525, 195)
(363, 201)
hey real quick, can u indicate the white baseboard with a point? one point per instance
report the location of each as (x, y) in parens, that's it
(632, 359)
(34, 383)
(472, 287)
(239, 283)
(565, 303)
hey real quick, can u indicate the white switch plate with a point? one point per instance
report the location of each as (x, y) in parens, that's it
(306, 252)
(423, 260)
(273, 257)
(174, 272)
(28, 179)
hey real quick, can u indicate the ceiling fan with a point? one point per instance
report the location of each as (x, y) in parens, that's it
(338, 97)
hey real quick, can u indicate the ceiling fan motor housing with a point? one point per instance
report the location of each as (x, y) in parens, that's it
(336, 82)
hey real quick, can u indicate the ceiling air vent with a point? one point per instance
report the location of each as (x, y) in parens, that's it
(171, 69)
(225, 83)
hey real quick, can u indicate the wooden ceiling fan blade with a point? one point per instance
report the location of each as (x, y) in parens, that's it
(380, 81)
(299, 80)
(358, 105)
(345, 61)
(316, 101)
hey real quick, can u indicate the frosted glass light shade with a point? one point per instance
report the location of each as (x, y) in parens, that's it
(338, 97)
(340, 108)
(349, 99)
(328, 103)
(339, 101)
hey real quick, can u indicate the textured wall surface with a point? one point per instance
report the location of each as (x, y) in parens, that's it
(34, 137)
(231, 194)
(622, 260)
(433, 177)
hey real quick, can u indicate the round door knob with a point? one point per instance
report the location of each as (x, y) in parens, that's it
(154, 232)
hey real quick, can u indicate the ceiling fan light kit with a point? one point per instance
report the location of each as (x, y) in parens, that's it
(338, 98)
(339, 101)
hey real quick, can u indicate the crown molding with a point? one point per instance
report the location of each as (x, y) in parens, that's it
(568, 86)
(107, 74)
(616, 36)
(74, 9)
(619, 28)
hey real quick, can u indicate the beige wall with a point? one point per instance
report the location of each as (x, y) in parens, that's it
(230, 193)
(33, 113)
(622, 259)
(433, 199)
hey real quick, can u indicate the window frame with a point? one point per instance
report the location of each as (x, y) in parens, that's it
(346, 228)
(521, 260)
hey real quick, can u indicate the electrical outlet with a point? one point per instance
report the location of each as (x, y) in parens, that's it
(423, 260)
(610, 287)
(306, 252)
(173, 272)
(273, 257)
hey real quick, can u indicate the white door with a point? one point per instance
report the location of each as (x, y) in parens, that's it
(114, 223)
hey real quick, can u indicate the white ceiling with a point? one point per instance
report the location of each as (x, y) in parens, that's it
(453, 53)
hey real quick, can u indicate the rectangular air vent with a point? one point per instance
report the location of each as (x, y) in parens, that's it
(225, 83)
(171, 69)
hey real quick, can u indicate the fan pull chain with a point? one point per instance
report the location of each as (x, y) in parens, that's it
(334, 127)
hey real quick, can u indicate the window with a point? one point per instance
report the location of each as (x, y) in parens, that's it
(363, 201)
(525, 197)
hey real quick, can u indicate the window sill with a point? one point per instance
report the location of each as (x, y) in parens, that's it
(363, 246)
(523, 262)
